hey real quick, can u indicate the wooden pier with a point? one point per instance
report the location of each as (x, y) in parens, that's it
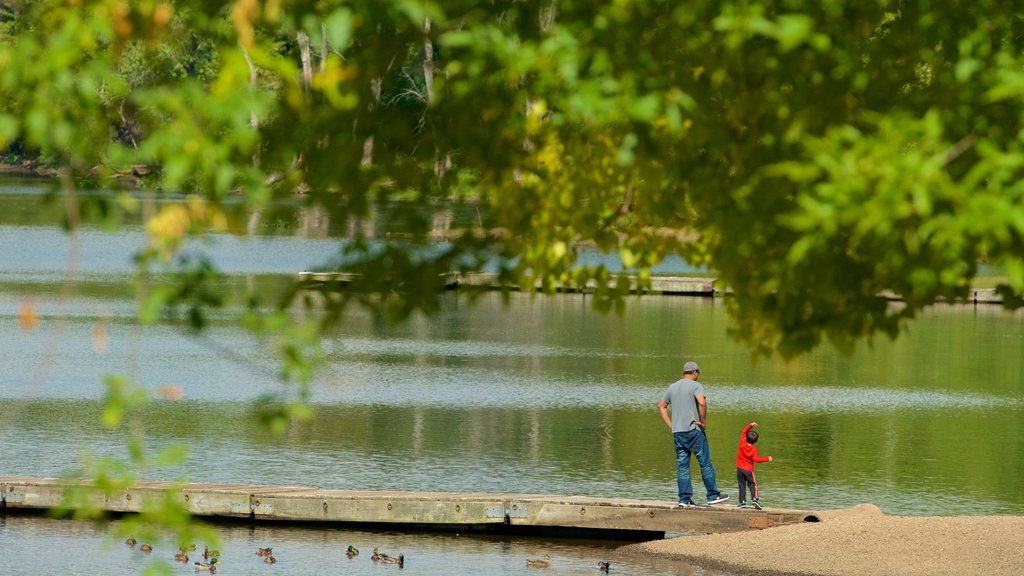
(580, 516)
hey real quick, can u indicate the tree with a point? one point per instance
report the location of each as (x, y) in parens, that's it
(811, 155)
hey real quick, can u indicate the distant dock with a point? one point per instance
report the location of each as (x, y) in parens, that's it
(664, 285)
(659, 285)
(522, 514)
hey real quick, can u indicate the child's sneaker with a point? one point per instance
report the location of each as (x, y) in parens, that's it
(743, 504)
(757, 503)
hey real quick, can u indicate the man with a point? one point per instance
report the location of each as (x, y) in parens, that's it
(688, 423)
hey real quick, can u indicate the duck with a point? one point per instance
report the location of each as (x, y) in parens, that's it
(147, 548)
(181, 557)
(539, 563)
(392, 560)
(270, 559)
(378, 555)
(263, 552)
(603, 566)
(131, 541)
(207, 553)
(351, 551)
(206, 566)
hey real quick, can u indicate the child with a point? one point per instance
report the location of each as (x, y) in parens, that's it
(745, 458)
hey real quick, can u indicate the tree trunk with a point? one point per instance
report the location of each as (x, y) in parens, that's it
(254, 120)
(323, 47)
(428, 62)
(442, 162)
(307, 60)
(547, 17)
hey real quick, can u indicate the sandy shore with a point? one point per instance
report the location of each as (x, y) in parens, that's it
(860, 540)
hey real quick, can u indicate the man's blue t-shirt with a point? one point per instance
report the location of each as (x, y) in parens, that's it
(682, 397)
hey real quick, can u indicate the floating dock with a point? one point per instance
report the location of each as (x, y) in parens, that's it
(662, 285)
(659, 285)
(525, 514)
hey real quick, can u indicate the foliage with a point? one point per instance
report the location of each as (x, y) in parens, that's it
(813, 155)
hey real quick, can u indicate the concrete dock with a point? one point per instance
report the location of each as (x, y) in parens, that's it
(573, 516)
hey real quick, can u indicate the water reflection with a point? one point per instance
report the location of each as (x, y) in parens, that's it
(480, 399)
(812, 399)
(38, 253)
(79, 549)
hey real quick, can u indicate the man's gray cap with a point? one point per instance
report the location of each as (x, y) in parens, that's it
(690, 367)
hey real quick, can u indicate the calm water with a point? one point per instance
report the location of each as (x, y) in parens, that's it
(539, 396)
(34, 546)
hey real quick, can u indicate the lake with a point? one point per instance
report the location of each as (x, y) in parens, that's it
(535, 395)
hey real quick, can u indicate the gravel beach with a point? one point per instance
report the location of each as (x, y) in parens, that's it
(859, 540)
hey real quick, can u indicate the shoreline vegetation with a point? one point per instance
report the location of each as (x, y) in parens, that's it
(29, 168)
(35, 169)
(856, 541)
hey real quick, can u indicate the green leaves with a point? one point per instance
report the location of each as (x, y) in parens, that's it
(742, 23)
(876, 217)
(339, 29)
(120, 397)
(812, 155)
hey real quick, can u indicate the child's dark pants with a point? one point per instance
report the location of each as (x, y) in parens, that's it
(746, 478)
